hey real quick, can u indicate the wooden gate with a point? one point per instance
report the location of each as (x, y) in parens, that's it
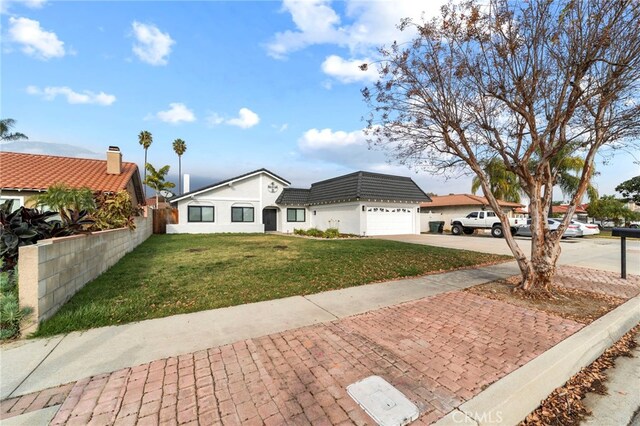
(161, 217)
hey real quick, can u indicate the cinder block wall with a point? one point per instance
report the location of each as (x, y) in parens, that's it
(53, 270)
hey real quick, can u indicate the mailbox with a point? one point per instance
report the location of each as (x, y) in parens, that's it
(624, 233)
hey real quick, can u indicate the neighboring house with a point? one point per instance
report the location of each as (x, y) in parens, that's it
(25, 175)
(360, 203)
(579, 214)
(447, 207)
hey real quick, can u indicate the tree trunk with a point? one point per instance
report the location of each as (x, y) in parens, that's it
(180, 174)
(157, 199)
(144, 185)
(538, 271)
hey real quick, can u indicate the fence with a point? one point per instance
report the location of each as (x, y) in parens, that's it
(53, 270)
(162, 217)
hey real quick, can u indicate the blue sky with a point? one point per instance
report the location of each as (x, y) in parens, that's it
(245, 84)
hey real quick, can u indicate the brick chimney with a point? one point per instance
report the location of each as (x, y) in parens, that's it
(114, 161)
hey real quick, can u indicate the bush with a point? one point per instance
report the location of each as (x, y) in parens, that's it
(27, 226)
(10, 312)
(317, 233)
(332, 233)
(114, 211)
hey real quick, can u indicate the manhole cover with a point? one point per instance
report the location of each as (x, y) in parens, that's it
(384, 403)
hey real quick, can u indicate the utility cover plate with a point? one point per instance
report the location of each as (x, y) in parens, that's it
(384, 403)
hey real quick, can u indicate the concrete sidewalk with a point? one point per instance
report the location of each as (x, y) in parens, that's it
(34, 365)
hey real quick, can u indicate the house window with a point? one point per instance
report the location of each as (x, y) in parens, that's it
(13, 203)
(241, 214)
(295, 215)
(201, 214)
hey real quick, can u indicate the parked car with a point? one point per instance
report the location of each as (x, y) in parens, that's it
(587, 228)
(482, 220)
(572, 230)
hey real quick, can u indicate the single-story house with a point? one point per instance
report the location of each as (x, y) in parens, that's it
(579, 214)
(24, 175)
(447, 207)
(361, 203)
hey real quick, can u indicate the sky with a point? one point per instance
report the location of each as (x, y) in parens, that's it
(247, 85)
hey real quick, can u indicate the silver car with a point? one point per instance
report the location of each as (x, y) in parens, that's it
(572, 231)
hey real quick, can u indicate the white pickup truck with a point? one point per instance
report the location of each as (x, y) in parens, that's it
(483, 220)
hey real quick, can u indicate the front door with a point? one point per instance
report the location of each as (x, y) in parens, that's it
(269, 219)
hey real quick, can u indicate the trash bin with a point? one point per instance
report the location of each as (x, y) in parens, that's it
(436, 227)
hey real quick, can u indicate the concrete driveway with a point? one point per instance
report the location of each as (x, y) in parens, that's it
(595, 253)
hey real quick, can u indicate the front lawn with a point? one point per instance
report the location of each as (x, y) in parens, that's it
(174, 274)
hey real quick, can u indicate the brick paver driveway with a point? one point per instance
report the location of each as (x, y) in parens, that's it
(438, 351)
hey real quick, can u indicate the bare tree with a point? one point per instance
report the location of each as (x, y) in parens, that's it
(527, 83)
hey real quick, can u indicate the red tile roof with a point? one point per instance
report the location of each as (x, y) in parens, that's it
(563, 209)
(464, 200)
(38, 172)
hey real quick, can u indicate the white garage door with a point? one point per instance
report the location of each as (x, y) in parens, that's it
(390, 220)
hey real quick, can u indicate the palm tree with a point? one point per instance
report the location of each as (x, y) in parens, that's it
(156, 180)
(6, 124)
(145, 139)
(179, 147)
(504, 184)
(568, 169)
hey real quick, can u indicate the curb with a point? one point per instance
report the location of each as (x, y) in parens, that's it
(509, 400)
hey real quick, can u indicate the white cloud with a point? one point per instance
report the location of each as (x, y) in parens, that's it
(213, 119)
(177, 113)
(348, 71)
(245, 119)
(35, 41)
(281, 128)
(34, 4)
(366, 24)
(85, 97)
(315, 22)
(349, 149)
(152, 45)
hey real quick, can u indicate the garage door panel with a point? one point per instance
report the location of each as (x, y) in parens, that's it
(390, 220)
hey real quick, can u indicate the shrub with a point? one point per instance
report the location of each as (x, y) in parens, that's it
(332, 233)
(299, 231)
(315, 232)
(11, 314)
(114, 210)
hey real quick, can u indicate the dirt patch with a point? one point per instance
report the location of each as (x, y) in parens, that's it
(577, 305)
(564, 406)
(195, 250)
(280, 247)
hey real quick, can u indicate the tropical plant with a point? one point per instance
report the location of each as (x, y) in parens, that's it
(145, 139)
(179, 147)
(114, 210)
(24, 227)
(6, 124)
(526, 82)
(630, 189)
(503, 183)
(70, 203)
(11, 314)
(156, 180)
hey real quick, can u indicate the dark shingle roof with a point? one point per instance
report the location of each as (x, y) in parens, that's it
(204, 188)
(366, 186)
(293, 197)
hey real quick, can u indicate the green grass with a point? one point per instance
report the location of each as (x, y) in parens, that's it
(173, 274)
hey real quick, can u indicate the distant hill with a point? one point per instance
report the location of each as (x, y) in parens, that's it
(49, 148)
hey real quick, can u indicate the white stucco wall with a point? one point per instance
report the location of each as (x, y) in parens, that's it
(344, 216)
(288, 227)
(249, 192)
